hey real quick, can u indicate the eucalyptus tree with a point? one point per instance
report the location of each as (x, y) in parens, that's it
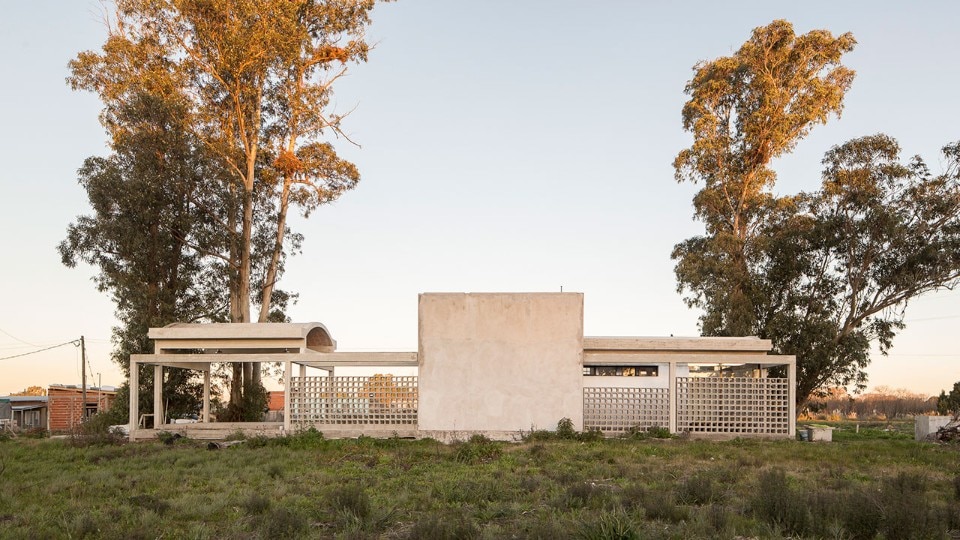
(744, 111)
(835, 269)
(256, 78)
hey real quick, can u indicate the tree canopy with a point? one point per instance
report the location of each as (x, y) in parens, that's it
(822, 274)
(837, 267)
(744, 111)
(250, 82)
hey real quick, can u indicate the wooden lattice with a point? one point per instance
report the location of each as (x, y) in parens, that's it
(376, 400)
(733, 405)
(616, 410)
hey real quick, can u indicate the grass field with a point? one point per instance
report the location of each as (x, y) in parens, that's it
(871, 483)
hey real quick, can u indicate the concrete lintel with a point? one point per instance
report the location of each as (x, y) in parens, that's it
(725, 344)
(611, 358)
(200, 359)
(364, 359)
(274, 345)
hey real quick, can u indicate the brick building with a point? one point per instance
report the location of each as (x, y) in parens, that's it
(65, 406)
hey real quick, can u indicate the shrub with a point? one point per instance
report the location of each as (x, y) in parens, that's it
(301, 440)
(610, 526)
(860, 515)
(590, 435)
(565, 429)
(256, 504)
(581, 493)
(96, 431)
(656, 504)
(698, 490)
(638, 433)
(478, 449)
(35, 433)
(274, 471)
(906, 513)
(444, 527)
(778, 504)
(352, 500)
(168, 438)
(237, 435)
(658, 432)
(284, 523)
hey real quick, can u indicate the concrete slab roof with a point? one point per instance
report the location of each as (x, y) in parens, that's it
(235, 330)
(250, 336)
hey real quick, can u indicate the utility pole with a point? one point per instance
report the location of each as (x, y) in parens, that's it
(83, 363)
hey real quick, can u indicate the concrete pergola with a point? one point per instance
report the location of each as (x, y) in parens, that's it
(198, 346)
(742, 352)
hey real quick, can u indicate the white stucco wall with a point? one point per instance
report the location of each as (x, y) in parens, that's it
(499, 363)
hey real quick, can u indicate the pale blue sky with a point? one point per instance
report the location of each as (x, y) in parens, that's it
(506, 146)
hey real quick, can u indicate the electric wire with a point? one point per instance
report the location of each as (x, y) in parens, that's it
(73, 342)
(8, 334)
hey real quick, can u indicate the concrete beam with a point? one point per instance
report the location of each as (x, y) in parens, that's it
(609, 358)
(705, 344)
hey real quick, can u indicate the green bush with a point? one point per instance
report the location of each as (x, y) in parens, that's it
(451, 526)
(35, 433)
(351, 500)
(256, 504)
(638, 433)
(284, 523)
(477, 449)
(777, 503)
(610, 526)
(698, 490)
(96, 431)
(565, 429)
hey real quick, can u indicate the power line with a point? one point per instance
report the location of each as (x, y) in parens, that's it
(18, 339)
(72, 342)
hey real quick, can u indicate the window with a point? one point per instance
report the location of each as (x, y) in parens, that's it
(621, 371)
(31, 418)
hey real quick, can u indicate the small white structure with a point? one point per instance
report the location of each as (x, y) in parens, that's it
(924, 427)
(496, 364)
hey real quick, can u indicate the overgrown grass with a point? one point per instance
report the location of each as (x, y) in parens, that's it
(306, 486)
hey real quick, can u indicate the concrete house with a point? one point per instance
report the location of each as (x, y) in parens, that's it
(491, 363)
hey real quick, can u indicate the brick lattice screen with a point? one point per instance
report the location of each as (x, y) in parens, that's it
(617, 410)
(733, 405)
(381, 400)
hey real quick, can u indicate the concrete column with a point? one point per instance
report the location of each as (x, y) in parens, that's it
(792, 385)
(157, 396)
(672, 381)
(206, 396)
(288, 369)
(134, 396)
